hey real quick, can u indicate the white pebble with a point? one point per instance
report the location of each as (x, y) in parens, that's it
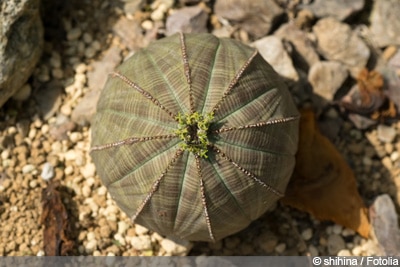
(90, 246)
(86, 191)
(120, 239)
(356, 251)
(33, 184)
(307, 234)
(344, 252)
(45, 129)
(68, 170)
(28, 168)
(122, 227)
(348, 232)
(5, 154)
(142, 242)
(81, 68)
(280, 248)
(40, 253)
(141, 230)
(394, 156)
(75, 137)
(47, 171)
(66, 110)
(176, 247)
(88, 170)
(147, 25)
(90, 236)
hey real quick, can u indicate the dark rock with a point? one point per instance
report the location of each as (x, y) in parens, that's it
(257, 17)
(48, 98)
(340, 9)
(326, 77)
(304, 55)
(188, 20)
(83, 112)
(21, 44)
(385, 23)
(337, 42)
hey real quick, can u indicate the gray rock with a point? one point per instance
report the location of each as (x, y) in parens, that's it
(188, 20)
(130, 33)
(304, 54)
(385, 227)
(21, 44)
(257, 17)
(385, 23)
(130, 7)
(337, 42)
(84, 111)
(272, 50)
(326, 77)
(340, 9)
(335, 244)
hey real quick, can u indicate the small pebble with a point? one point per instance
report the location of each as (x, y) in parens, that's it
(23, 93)
(313, 251)
(344, 252)
(47, 171)
(280, 248)
(88, 170)
(335, 244)
(385, 133)
(348, 232)
(142, 242)
(87, 38)
(74, 34)
(307, 234)
(337, 229)
(394, 156)
(176, 247)
(141, 230)
(28, 168)
(90, 246)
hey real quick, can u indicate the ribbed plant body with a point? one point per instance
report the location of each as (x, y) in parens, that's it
(195, 136)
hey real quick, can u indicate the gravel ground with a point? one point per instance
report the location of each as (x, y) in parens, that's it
(39, 139)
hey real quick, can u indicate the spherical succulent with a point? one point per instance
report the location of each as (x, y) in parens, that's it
(195, 136)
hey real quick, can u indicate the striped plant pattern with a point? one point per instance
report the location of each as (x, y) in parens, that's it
(195, 136)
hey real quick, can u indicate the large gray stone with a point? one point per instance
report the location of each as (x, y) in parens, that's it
(336, 41)
(385, 23)
(340, 9)
(256, 17)
(21, 44)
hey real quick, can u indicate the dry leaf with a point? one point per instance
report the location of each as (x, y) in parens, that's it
(368, 98)
(322, 183)
(55, 220)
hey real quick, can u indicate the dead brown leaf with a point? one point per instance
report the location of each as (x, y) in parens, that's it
(55, 220)
(323, 184)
